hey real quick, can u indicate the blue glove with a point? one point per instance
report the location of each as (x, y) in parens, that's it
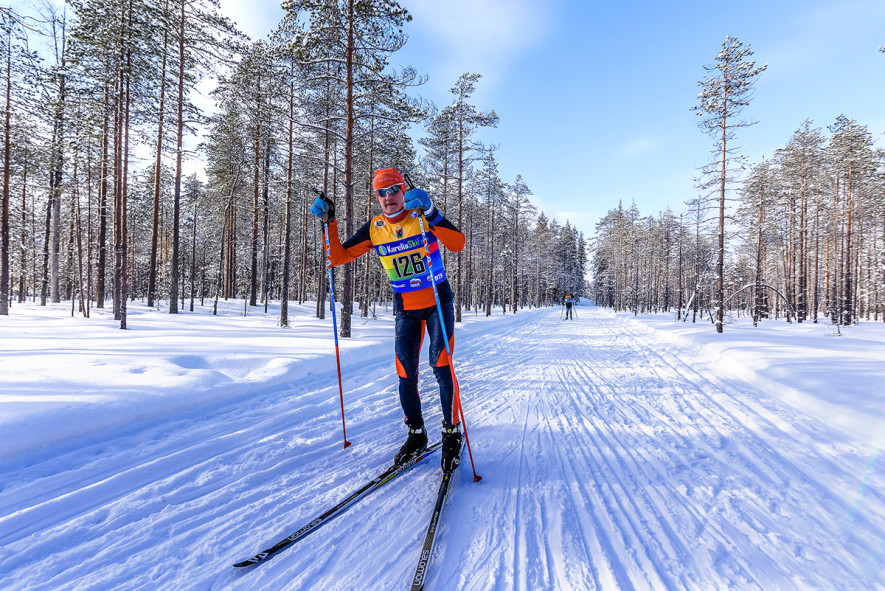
(417, 198)
(323, 208)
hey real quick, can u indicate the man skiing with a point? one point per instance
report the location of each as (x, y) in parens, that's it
(569, 302)
(396, 237)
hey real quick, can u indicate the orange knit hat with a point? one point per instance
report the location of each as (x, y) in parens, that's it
(387, 177)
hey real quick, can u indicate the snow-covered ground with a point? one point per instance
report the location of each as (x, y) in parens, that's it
(617, 453)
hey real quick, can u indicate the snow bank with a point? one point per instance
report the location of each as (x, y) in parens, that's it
(836, 376)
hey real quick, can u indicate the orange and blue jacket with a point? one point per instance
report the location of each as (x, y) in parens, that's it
(400, 247)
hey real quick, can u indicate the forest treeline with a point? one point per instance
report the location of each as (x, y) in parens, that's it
(98, 210)
(806, 235)
(802, 235)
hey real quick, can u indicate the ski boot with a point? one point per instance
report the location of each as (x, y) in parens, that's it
(451, 447)
(415, 444)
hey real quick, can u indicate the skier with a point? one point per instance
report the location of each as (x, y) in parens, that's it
(569, 301)
(396, 236)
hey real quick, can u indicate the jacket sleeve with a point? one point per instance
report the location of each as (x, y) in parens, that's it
(446, 232)
(355, 246)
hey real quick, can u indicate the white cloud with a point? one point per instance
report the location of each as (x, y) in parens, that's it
(841, 23)
(639, 146)
(484, 36)
(552, 207)
(583, 220)
(488, 25)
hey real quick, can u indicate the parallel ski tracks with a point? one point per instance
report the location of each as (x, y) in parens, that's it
(709, 437)
(613, 461)
(636, 469)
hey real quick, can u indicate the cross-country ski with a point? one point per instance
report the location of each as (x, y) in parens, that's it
(339, 508)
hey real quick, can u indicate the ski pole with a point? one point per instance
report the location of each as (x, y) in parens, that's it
(334, 323)
(442, 324)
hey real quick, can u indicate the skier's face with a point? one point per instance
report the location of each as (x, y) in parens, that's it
(391, 203)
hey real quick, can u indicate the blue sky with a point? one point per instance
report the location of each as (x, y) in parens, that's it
(594, 97)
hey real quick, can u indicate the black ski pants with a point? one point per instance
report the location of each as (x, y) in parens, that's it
(410, 327)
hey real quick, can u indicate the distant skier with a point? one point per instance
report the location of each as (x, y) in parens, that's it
(569, 301)
(396, 236)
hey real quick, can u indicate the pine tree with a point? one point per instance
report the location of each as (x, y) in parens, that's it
(349, 43)
(465, 119)
(202, 35)
(725, 91)
(803, 158)
(165, 17)
(520, 209)
(440, 155)
(491, 188)
(757, 197)
(852, 157)
(17, 65)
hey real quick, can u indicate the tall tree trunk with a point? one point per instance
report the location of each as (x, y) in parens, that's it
(253, 286)
(679, 276)
(514, 278)
(847, 294)
(4, 217)
(458, 288)
(485, 273)
(802, 302)
(284, 297)
(88, 285)
(265, 256)
(302, 270)
(124, 194)
(491, 277)
(364, 300)
(877, 303)
(321, 267)
(47, 235)
(219, 278)
(720, 256)
(24, 236)
(53, 213)
(347, 295)
(757, 292)
(56, 180)
(76, 214)
(118, 191)
(103, 203)
(155, 228)
(119, 122)
(815, 298)
(176, 207)
(194, 258)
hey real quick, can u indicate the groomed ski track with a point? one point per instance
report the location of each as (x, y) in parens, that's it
(611, 459)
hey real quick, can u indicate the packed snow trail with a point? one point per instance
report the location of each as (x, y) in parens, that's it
(611, 460)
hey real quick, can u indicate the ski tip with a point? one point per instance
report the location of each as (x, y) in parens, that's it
(254, 560)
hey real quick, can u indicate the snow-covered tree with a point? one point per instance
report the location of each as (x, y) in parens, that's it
(725, 90)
